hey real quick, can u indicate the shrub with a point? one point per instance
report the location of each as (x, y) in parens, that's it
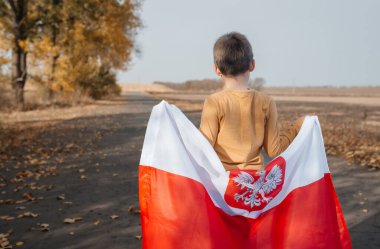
(100, 84)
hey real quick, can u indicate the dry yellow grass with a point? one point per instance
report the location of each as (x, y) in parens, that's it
(350, 118)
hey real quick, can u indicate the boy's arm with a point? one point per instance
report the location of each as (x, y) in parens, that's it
(209, 125)
(275, 142)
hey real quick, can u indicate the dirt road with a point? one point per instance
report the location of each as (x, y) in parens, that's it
(96, 180)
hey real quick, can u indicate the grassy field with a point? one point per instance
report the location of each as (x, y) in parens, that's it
(350, 116)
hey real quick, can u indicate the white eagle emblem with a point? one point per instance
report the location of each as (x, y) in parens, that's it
(263, 185)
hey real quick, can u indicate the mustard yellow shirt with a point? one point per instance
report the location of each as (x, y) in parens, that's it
(239, 123)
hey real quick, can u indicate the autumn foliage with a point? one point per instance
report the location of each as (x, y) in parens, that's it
(67, 46)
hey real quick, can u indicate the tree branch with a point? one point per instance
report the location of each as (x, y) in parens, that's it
(4, 8)
(13, 6)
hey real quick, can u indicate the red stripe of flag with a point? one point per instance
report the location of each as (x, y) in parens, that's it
(177, 212)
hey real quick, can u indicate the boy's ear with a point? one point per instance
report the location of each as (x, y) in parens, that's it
(252, 65)
(217, 71)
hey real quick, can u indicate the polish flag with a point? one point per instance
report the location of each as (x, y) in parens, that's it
(188, 200)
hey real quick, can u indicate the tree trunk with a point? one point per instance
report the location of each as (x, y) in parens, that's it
(54, 32)
(19, 66)
(53, 65)
(19, 73)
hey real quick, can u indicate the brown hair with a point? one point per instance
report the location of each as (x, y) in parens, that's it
(232, 53)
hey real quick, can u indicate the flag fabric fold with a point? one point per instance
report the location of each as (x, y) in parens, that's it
(188, 199)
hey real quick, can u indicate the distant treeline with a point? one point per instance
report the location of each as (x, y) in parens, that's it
(66, 46)
(207, 85)
(194, 85)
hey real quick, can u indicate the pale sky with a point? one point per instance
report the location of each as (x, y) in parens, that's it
(295, 42)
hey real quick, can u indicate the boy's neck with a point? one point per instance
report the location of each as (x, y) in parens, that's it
(239, 82)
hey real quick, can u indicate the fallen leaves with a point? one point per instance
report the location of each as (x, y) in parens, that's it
(28, 214)
(24, 174)
(28, 196)
(130, 208)
(4, 241)
(33, 186)
(19, 243)
(7, 217)
(27, 164)
(70, 146)
(7, 201)
(72, 220)
(133, 209)
(23, 215)
(44, 227)
(114, 217)
(347, 135)
(354, 146)
(37, 173)
(20, 201)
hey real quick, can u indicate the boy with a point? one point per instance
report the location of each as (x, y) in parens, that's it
(238, 121)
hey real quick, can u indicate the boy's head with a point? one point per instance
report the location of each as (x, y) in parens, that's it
(233, 55)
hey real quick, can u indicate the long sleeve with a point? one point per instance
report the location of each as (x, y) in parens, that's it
(209, 125)
(276, 141)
